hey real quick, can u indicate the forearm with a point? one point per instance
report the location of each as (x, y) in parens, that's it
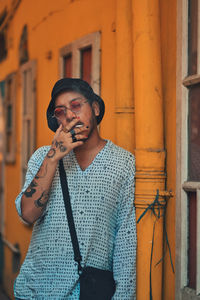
(35, 197)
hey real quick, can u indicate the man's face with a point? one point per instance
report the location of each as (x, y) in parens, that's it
(71, 105)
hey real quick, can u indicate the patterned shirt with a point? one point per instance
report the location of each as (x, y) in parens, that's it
(102, 199)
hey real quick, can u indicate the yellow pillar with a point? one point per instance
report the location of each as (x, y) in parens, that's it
(149, 152)
(124, 76)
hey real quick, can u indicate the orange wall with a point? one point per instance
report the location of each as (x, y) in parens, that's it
(52, 26)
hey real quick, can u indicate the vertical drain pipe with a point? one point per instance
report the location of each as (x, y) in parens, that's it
(124, 104)
(149, 139)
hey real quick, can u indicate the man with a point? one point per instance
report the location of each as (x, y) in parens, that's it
(100, 178)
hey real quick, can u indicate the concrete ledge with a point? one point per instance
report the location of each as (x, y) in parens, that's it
(189, 294)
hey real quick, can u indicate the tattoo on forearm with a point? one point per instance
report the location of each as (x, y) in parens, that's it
(31, 189)
(42, 200)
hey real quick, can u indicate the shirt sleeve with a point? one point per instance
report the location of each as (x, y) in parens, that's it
(33, 167)
(124, 258)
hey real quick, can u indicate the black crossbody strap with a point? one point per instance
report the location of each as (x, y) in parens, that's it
(70, 219)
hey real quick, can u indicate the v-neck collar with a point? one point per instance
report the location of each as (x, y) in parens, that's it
(94, 160)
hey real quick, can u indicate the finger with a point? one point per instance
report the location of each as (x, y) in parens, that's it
(72, 123)
(74, 139)
(72, 132)
(58, 131)
(78, 137)
(77, 144)
(78, 130)
(65, 130)
(59, 128)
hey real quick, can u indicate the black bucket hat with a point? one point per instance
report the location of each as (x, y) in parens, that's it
(77, 85)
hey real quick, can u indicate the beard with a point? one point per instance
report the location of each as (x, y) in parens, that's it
(92, 125)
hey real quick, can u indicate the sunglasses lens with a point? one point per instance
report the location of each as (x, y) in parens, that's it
(75, 106)
(59, 112)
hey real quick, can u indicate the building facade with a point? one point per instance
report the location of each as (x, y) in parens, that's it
(142, 57)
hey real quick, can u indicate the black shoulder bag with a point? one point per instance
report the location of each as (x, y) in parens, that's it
(94, 283)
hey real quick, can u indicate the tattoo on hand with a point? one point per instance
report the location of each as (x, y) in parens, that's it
(62, 148)
(31, 189)
(59, 145)
(42, 201)
(51, 153)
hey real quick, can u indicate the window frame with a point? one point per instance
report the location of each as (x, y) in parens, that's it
(74, 49)
(10, 156)
(29, 66)
(183, 186)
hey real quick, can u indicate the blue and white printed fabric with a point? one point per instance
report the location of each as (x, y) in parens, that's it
(102, 198)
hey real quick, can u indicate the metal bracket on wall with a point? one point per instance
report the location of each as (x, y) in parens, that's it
(16, 254)
(12, 247)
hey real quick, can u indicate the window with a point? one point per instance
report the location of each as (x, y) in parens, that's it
(28, 76)
(9, 115)
(193, 145)
(67, 62)
(81, 59)
(194, 133)
(86, 64)
(188, 166)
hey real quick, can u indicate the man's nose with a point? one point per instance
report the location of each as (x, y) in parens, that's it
(70, 115)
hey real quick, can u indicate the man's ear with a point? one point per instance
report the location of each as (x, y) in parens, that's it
(95, 107)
